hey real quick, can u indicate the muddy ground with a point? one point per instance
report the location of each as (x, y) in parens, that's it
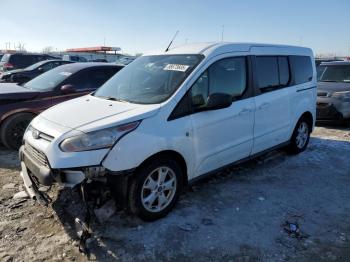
(236, 215)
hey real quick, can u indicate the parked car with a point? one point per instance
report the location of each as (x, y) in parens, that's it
(20, 60)
(74, 58)
(174, 116)
(333, 93)
(21, 76)
(19, 104)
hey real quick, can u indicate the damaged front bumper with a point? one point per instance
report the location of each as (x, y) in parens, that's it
(36, 172)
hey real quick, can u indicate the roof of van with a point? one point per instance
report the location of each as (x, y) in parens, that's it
(223, 47)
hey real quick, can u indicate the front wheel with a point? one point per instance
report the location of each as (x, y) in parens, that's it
(155, 189)
(301, 136)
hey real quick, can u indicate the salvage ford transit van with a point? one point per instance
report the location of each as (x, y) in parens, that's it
(173, 116)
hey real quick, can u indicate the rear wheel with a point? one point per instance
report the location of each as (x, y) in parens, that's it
(12, 130)
(155, 189)
(301, 136)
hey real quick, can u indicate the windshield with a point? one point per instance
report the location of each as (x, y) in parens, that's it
(335, 73)
(50, 79)
(149, 79)
(34, 66)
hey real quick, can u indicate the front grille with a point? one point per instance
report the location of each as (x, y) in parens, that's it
(36, 154)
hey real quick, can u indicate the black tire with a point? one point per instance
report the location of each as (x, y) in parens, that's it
(136, 189)
(295, 147)
(12, 130)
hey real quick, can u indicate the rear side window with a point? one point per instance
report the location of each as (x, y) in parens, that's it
(283, 69)
(100, 75)
(272, 72)
(267, 70)
(91, 78)
(301, 68)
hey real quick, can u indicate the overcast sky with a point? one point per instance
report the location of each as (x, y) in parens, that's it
(138, 26)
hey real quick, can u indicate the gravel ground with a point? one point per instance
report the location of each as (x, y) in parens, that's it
(235, 215)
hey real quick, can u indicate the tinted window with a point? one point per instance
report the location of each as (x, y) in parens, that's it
(335, 73)
(91, 78)
(283, 68)
(302, 69)
(200, 90)
(226, 76)
(267, 71)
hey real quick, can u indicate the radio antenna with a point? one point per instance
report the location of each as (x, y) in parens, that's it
(167, 49)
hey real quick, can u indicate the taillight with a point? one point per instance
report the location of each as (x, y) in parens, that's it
(8, 65)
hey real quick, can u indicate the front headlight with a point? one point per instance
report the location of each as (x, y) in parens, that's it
(99, 139)
(342, 94)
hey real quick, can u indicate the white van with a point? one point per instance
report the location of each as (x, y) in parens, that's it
(172, 117)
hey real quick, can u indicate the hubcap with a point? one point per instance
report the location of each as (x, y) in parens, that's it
(159, 189)
(302, 135)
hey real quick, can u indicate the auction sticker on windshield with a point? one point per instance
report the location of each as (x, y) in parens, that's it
(176, 67)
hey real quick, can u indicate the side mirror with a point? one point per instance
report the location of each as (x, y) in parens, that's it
(218, 101)
(68, 89)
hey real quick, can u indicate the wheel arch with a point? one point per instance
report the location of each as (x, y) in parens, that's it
(12, 114)
(172, 154)
(308, 117)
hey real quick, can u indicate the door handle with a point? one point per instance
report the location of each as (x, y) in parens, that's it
(264, 106)
(245, 111)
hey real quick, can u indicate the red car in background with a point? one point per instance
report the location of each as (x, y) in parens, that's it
(19, 104)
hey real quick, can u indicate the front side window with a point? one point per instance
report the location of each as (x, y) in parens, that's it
(335, 73)
(227, 76)
(149, 79)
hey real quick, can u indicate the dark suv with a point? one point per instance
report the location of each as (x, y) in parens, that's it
(19, 60)
(333, 91)
(19, 104)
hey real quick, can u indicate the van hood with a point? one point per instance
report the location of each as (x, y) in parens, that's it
(12, 91)
(88, 113)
